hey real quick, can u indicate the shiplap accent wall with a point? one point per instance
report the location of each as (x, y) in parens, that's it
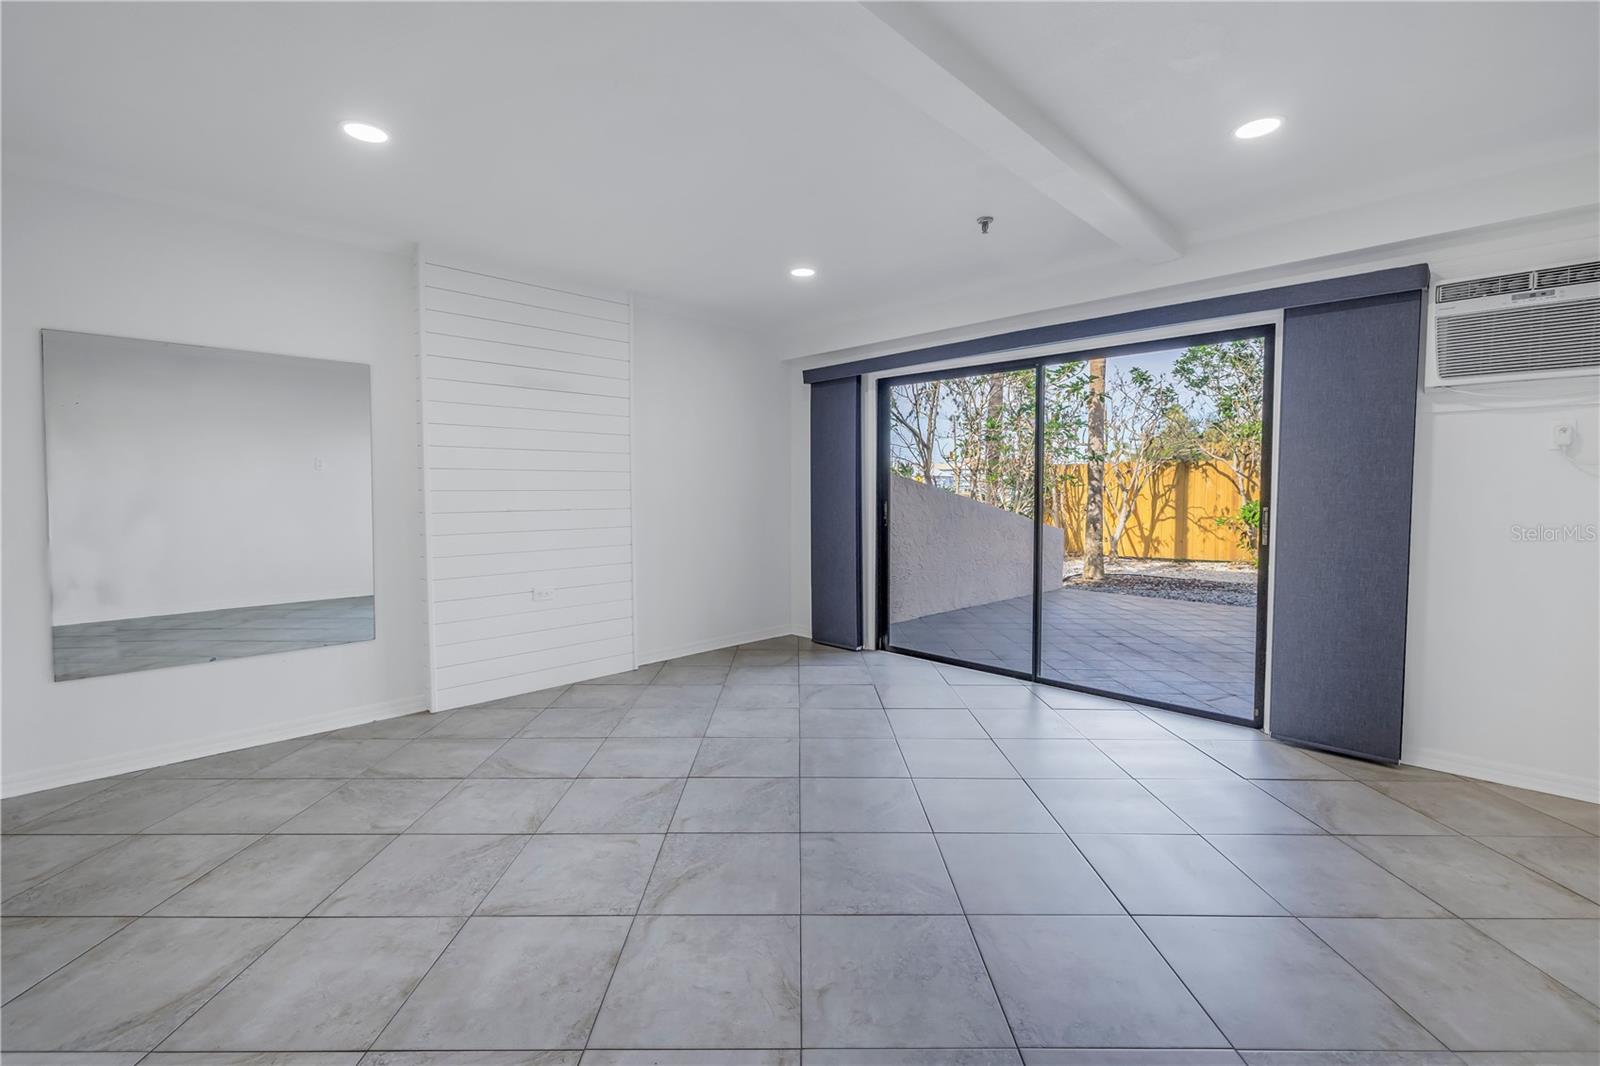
(526, 455)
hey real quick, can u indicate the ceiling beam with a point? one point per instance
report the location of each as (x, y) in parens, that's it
(899, 46)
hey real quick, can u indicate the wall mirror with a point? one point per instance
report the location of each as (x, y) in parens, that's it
(203, 503)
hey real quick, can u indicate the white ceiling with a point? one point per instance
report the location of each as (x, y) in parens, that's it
(1375, 95)
(694, 152)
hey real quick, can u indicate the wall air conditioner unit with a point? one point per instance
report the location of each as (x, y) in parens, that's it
(1515, 327)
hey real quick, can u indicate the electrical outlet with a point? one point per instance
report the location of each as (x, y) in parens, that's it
(541, 595)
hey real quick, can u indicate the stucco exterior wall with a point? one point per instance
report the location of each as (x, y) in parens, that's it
(947, 551)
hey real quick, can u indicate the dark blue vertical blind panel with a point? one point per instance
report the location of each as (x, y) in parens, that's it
(836, 512)
(1341, 523)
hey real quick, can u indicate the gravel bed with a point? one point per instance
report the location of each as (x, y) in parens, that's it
(1232, 593)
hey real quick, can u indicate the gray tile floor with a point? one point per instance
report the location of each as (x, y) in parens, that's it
(1200, 655)
(124, 645)
(779, 850)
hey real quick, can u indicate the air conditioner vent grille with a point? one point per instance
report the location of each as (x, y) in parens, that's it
(1479, 287)
(1515, 340)
(1576, 274)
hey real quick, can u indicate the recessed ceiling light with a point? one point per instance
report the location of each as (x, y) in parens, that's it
(365, 133)
(1257, 127)
(802, 272)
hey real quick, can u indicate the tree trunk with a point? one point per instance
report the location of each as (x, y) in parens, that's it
(991, 442)
(1127, 500)
(1094, 557)
(931, 433)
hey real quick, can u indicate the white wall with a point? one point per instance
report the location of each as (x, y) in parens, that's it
(948, 551)
(712, 487)
(526, 401)
(1501, 674)
(800, 502)
(1503, 631)
(192, 479)
(86, 261)
(712, 533)
(1501, 667)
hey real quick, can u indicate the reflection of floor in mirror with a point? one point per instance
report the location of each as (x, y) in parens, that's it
(123, 645)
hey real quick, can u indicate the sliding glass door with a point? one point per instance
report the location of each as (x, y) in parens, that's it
(1094, 521)
(960, 486)
(1156, 489)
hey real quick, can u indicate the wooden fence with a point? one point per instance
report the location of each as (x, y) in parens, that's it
(1174, 516)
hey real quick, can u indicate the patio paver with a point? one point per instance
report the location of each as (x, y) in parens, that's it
(1193, 654)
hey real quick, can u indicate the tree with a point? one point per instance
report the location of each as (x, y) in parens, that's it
(972, 435)
(990, 438)
(1142, 411)
(1229, 378)
(975, 435)
(914, 427)
(1131, 419)
(1066, 399)
(1094, 560)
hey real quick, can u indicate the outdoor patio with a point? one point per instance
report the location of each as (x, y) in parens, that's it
(1194, 654)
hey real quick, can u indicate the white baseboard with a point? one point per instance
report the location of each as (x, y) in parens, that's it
(656, 655)
(71, 773)
(1519, 776)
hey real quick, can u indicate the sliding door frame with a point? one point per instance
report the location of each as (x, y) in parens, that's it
(1266, 331)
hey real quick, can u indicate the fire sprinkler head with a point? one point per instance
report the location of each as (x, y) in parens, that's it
(983, 222)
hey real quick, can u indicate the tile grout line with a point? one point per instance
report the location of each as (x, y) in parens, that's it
(108, 784)
(393, 837)
(464, 919)
(208, 870)
(335, 889)
(121, 839)
(224, 986)
(1126, 913)
(633, 921)
(1471, 924)
(377, 1036)
(45, 977)
(1471, 783)
(1512, 858)
(219, 783)
(1145, 933)
(972, 935)
(1374, 984)
(1344, 838)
